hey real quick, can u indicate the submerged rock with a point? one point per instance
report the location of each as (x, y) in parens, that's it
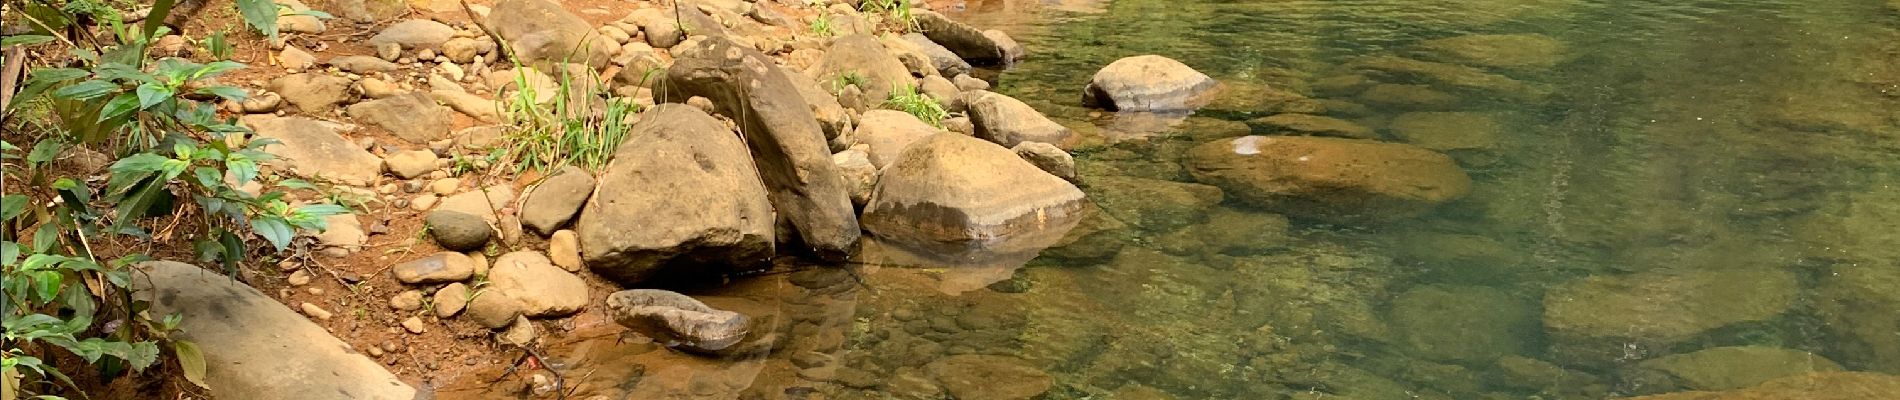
(972, 376)
(542, 31)
(248, 340)
(785, 138)
(1329, 178)
(1008, 121)
(1603, 318)
(955, 191)
(1516, 52)
(1312, 125)
(1471, 137)
(1456, 77)
(1149, 83)
(1724, 368)
(677, 320)
(1861, 305)
(681, 197)
(1151, 203)
(1815, 386)
(1407, 97)
(1474, 324)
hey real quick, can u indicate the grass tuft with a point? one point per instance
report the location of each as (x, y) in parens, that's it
(906, 98)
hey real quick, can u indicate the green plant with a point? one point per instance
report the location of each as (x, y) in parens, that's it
(847, 78)
(178, 180)
(906, 98)
(897, 11)
(217, 46)
(568, 131)
(821, 26)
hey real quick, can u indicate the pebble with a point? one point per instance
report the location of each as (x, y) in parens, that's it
(408, 300)
(521, 332)
(300, 278)
(314, 311)
(316, 291)
(451, 300)
(375, 351)
(445, 186)
(414, 325)
(564, 250)
(424, 202)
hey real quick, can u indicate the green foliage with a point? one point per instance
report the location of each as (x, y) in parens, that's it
(847, 78)
(218, 46)
(821, 26)
(896, 11)
(571, 130)
(906, 98)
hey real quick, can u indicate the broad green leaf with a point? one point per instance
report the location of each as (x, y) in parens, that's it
(142, 355)
(273, 229)
(294, 183)
(9, 253)
(233, 250)
(241, 167)
(139, 203)
(29, 321)
(150, 94)
(208, 178)
(45, 150)
(322, 210)
(86, 90)
(45, 238)
(24, 40)
(227, 92)
(46, 284)
(183, 149)
(11, 206)
(124, 103)
(260, 14)
(174, 168)
(192, 361)
(216, 68)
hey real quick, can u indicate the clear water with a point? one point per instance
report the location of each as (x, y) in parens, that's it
(1702, 174)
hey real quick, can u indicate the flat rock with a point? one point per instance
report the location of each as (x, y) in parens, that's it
(1857, 302)
(1473, 324)
(787, 143)
(1008, 122)
(409, 164)
(946, 61)
(312, 93)
(482, 203)
(681, 197)
(1815, 386)
(676, 320)
(543, 289)
(447, 266)
(414, 34)
(1448, 131)
(450, 300)
(972, 376)
(1599, 318)
(481, 109)
(954, 191)
(311, 149)
(1407, 97)
(413, 117)
(1329, 178)
(1735, 367)
(888, 132)
(253, 346)
(1149, 83)
(564, 249)
(544, 32)
(550, 205)
(1047, 157)
(1312, 125)
(1152, 203)
(1522, 52)
(363, 65)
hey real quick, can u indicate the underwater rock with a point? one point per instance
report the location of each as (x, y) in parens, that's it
(1724, 368)
(1474, 324)
(1459, 257)
(1815, 386)
(1407, 97)
(1329, 178)
(1600, 319)
(681, 197)
(971, 376)
(1861, 305)
(1229, 231)
(1455, 77)
(1312, 125)
(1153, 204)
(1149, 83)
(956, 191)
(1470, 137)
(677, 320)
(1521, 52)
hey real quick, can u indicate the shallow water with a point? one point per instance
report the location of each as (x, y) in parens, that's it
(1680, 176)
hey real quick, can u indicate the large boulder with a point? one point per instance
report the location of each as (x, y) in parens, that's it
(888, 132)
(862, 56)
(1600, 319)
(413, 117)
(544, 32)
(312, 93)
(311, 149)
(680, 197)
(954, 191)
(1149, 83)
(253, 346)
(792, 156)
(974, 45)
(1329, 178)
(1007, 121)
(555, 201)
(676, 320)
(946, 61)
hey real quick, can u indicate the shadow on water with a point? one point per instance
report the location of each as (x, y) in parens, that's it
(1667, 196)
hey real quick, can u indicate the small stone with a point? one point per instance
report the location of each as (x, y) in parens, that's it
(262, 103)
(447, 266)
(411, 164)
(493, 310)
(445, 186)
(564, 249)
(314, 311)
(300, 278)
(293, 58)
(521, 332)
(375, 351)
(425, 54)
(1047, 157)
(458, 231)
(451, 299)
(389, 51)
(415, 325)
(423, 202)
(542, 288)
(969, 83)
(408, 300)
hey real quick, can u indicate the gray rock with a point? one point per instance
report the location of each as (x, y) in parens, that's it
(227, 319)
(863, 56)
(832, 116)
(410, 164)
(450, 300)
(677, 321)
(262, 103)
(458, 231)
(414, 34)
(443, 267)
(939, 89)
(310, 149)
(389, 51)
(858, 173)
(543, 289)
(888, 132)
(544, 32)
(413, 117)
(313, 93)
(550, 205)
(789, 145)
(493, 310)
(968, 83)
(1149, 83)
(949, 191)
(519, 333)
(1007, 121)
(1047, 157)
(946, 61)
(681, 165)
(973, 45)
(363, 65)
(1329, 178)
(1473, 324)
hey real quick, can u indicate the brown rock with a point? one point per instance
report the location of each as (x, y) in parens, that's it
(1328, 178)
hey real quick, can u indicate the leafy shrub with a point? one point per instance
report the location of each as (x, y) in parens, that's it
(906, 98)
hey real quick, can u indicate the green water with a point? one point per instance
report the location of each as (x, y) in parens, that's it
(1700, 175)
